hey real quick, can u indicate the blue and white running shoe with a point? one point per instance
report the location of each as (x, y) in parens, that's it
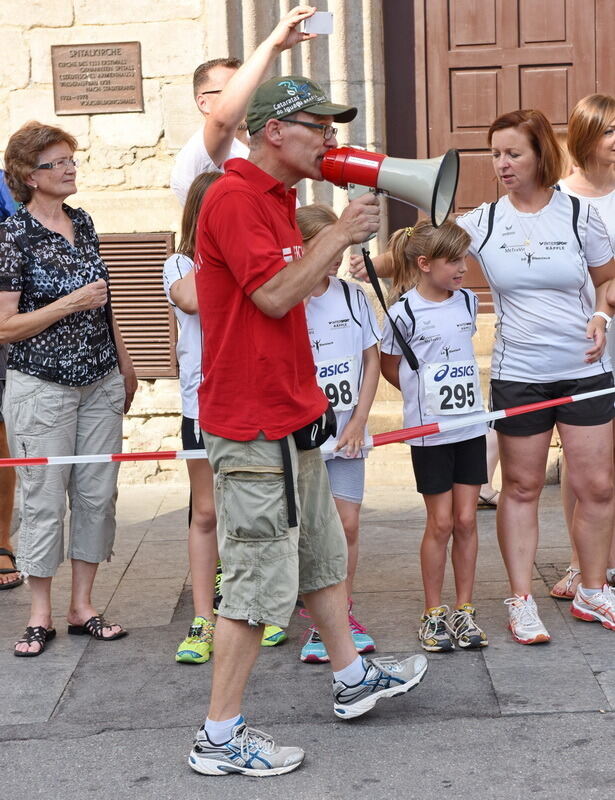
(384, 677)
(247, 752)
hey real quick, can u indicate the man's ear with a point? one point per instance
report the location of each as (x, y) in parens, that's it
(273, 131)
(201, 102)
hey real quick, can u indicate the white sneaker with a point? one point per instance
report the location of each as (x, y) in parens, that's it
(598, 607)
(524, 623)
(248, 752)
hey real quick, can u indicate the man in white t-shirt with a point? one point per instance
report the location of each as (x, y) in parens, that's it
(225, 134)
(208, 82)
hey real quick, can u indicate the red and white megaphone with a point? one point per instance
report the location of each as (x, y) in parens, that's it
(427, 183)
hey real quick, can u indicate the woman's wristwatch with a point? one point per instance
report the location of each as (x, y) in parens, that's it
(605, 317)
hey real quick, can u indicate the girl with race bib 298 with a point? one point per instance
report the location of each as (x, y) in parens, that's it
(344, 334)
(437, 319)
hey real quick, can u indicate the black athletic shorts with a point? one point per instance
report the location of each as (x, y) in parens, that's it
(438, 467)
(190, 432)
(595, 411)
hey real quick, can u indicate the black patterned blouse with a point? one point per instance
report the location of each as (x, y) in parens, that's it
(44, 266)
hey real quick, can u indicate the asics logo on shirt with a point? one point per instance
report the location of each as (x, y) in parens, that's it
(334, 369)
(455, 372)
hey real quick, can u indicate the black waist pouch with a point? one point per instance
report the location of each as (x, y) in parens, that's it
(316, 433)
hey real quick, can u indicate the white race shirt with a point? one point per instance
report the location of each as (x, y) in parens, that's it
(340, 330)
(437, 332)
(189, 342)
(542, 293)
(193, 159)
(605, 205)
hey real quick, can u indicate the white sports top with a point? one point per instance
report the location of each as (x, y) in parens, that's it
(437, 332)
(193, 159)
(605, 205)
(189, 342)
(542, 293)
(340, 328)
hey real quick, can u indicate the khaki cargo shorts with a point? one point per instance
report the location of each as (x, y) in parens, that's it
(266, 563)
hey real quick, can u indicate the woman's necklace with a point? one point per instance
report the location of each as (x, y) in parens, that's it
(528, 236)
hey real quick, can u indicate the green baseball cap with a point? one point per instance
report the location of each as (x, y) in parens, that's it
(280, 97)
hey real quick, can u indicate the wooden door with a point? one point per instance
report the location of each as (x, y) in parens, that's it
(486, 57)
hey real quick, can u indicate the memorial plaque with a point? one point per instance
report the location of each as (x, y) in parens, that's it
(97, 78)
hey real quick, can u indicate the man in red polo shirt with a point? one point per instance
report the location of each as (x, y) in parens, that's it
(278, 530)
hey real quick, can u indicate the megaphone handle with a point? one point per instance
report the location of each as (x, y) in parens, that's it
(356, 190)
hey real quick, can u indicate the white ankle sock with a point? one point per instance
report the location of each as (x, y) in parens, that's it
(591, 591)
(352, 674)
(220, 731)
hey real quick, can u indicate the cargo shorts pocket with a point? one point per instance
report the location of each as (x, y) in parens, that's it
(254, 503)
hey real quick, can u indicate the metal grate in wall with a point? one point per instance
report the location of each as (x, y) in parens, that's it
(147, 322)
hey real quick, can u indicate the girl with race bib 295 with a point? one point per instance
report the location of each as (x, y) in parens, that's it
(439, 380)
(344, 334)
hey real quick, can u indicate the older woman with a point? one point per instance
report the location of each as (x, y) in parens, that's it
(64, 392)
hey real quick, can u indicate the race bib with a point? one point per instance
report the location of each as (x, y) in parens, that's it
(451, 388)
(339, 380)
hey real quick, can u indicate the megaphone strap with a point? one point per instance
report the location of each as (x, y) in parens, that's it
(403, 344)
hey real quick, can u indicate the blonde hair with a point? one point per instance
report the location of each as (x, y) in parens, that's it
(567, 162)
(312, 219)
(448, 241)
(192, 209)
(589, 119)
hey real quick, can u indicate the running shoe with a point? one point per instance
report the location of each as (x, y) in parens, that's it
(247, 752)
(272, 635)
(199, 644)
(384, 677)
(361, 638)
(598, 607)
(314, 650)
(465, 631)
(217, 585)
(434, 633)
(523, 621)
(610, 576)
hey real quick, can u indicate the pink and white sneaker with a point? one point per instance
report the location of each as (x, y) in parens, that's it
(598, 607)
(524, 623)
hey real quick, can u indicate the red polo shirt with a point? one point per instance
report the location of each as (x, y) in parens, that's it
(258, 371)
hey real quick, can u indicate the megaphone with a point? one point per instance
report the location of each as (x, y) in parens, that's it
(428, 183)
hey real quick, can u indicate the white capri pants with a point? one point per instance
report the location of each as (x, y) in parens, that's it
(48, 419)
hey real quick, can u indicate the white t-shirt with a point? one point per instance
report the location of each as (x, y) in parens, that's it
(437, 333)
(193, 159)
(542, 293)
(189, 341)
(340, 329)
(605, 205)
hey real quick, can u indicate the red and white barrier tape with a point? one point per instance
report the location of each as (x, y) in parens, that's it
(377, 440)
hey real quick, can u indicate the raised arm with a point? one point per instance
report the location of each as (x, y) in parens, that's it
(232, 104)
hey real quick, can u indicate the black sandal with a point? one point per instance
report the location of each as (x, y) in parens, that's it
(94, 628)
(5, 571)
(35, 634)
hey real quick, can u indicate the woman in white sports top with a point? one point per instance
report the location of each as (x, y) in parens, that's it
(539, 249)
(591, 145)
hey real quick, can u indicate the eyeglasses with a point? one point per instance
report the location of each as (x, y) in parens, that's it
(328, 131)
(210, 91)
(65, 163)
